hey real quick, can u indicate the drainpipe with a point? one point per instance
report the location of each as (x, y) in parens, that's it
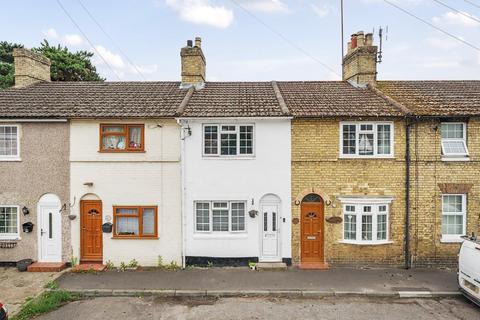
(407, 193)
(184, 191)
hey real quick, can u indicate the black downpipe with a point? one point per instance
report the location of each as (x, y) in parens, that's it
(407, 194)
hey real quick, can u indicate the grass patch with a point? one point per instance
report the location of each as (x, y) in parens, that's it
(46, 302)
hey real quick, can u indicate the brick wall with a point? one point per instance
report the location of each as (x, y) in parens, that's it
(430, 177)
(316, 164)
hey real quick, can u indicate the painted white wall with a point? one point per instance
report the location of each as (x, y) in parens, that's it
(247, 179)
(149, 178)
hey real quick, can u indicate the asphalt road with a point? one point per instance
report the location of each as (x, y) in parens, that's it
(118, 308)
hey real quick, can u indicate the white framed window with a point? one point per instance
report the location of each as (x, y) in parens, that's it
(9, 142)
(9, 222)
(220, 216)
(366, 139)
(227, 140)
(454, 140)
(365, 221)
(454, 217)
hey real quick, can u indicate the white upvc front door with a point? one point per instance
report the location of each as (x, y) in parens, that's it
(50, 234)
(270, 249)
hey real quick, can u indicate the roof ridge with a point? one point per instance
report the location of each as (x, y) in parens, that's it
(183, 104)
(281, 101)
(390, 100)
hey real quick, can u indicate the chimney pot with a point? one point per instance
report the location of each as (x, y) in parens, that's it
(193, 64)
(360, 62)
(198, 42)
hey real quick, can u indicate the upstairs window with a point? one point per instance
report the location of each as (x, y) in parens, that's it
(454, 139)
(366, 140)
(9, 142)
(228, 140)
(122, 137)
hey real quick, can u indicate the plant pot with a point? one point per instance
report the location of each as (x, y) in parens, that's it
(72, 216)
(22, 265)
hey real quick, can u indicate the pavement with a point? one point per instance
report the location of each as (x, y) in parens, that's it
(329, 308)
(16, 286)
(228, 282)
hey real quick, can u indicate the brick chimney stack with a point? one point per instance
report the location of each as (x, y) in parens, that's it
(360, 62)
(30, 67)
(193, 63)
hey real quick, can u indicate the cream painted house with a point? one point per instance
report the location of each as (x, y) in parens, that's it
(126, 173)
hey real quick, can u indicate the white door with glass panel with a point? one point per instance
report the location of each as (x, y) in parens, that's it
(50, 230)
(270, 235)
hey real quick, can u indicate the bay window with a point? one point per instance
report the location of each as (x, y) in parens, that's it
(365, 221)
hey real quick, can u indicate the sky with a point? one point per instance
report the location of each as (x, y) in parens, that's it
(252, 40)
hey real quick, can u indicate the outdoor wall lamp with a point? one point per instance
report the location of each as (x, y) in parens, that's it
(25, 210)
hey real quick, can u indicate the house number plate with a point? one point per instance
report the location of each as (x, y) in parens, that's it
(311, 238)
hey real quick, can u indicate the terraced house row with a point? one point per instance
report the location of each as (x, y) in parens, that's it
(318, 173)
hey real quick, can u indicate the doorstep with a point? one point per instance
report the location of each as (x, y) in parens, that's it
(313, 266)
(271, 266)
(46, 267)
(86, 267)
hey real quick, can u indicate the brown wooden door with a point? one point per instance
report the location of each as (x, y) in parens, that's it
(91, 244)
(312, 232)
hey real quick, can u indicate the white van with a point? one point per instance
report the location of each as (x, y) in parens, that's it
(469, 268)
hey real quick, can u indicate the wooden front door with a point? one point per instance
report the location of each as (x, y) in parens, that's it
(312, 231)
(91, 244)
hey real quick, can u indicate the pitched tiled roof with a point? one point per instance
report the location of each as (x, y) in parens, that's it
(333, 98)
(216, 99)
(234, 99)
(435, 98)
(92, 100)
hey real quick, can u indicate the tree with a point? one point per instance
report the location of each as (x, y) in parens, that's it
(69, 66)
(66, 65)
(6, 63)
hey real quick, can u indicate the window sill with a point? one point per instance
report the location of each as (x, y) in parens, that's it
(371, 243)
(366, 157)
(228, 157)
(121, 151)
(133, 238)
(453, 159)
(13, 238)
(220, 236)
(451, 239)
(11, 159)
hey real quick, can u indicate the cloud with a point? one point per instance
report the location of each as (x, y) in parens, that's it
(321, 10)
(457, 18)
(72, 40)
(50, 34)
(443, 42)
(264, 5)
(202, 12)
(122, 68)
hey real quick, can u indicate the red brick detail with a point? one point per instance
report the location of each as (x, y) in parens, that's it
(455, 187)
(46, 267)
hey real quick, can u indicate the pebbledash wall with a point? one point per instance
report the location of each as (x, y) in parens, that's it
(42, 168)
(431, 177)
(318, 168)
(248, 179)
(149, 178)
